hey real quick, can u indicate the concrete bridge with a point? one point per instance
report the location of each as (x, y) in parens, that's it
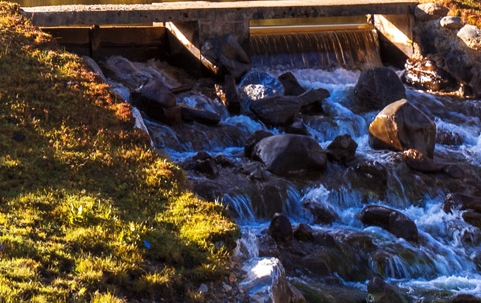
(198, 21)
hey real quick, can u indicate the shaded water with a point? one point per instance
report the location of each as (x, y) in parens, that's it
(447, 258)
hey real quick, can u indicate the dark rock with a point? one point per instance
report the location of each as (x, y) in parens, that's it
(416, 160)
(430, 11)
(391, 220)
(401, 126)
(453, 171)
(459, 65)
(227, 55)
(298, 127)
(448, 138)
(277, 110)
(253, 140)
(341, 149)
(303, 232)
(258, 85)
(465, 298)
(290, 84)
(190, 114)
(472, 217)
(154, 91)
(313, 96)
(207, 167)
(157, 102)
(378, 87)
(321, 213)
(290, 154)
(381, 292)
(461, 201)
(280, 228)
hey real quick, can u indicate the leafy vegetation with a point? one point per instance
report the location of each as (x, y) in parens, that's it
(88, 211)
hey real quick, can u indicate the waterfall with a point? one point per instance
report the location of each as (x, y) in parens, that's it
(353, 49)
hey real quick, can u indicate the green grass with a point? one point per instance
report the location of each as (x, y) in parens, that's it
(88, 211)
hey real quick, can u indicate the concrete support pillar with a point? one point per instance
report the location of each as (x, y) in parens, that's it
(237, 28)
(396, 36)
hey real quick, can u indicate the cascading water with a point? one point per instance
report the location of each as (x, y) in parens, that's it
(446, 259)
(321, 49)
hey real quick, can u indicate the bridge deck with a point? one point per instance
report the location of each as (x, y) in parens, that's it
(211, 11)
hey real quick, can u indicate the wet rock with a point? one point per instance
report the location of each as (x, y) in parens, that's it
(253, 140)
(313, 96)
(303, 232)
(401, 126)
(416, 160)
(154, 91)
(290, 84)
(290, 154)
(378, 87)
(472, 217)
(125, 71)
(426, 75)
(297, 127)
(322, 213)
(391, 220)
(452, 22)
(367, 177)
(277, 110)
(461, 201)
(157, 102)
(453, 171)
(226, 53)
(280, 228)
(448, 137)
(381, 292)
(266, 281)
(190, 114)
(256, 86)
(429, 11)
(465, 298)
(341, 149)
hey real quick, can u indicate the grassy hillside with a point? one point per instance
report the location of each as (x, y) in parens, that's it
(88, 211)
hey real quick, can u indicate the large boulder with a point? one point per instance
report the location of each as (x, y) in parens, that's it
(401, 126)
(290, 154)
(391, 220)
(280, 228)
(227, 55)
(378, 87)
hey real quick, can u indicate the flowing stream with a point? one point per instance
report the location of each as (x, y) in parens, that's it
(446, 259)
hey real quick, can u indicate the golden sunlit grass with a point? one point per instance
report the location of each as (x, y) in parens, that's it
(88, 211)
